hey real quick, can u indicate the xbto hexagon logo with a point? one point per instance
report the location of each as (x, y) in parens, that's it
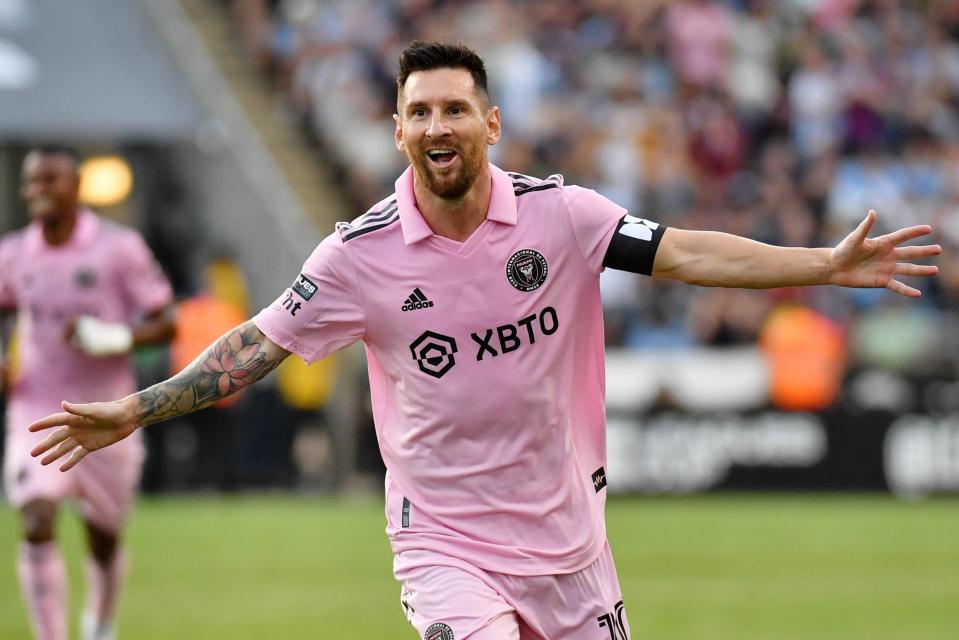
(433, 353)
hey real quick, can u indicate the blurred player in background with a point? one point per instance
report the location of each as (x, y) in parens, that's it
(84, 292)
(476, 292)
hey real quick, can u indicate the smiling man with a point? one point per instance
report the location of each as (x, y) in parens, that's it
(476, 293)
(84, 293)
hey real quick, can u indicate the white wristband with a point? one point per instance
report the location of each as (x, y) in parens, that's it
(98, 338)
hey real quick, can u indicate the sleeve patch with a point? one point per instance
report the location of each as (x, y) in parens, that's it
(304, 287)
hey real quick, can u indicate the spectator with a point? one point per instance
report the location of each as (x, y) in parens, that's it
(784, 121)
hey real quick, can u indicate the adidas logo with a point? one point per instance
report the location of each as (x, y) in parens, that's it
(417, 301)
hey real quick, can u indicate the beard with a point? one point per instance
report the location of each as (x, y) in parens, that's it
(48, 210)
(449, 185)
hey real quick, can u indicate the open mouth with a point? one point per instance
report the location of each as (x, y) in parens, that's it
(441, 158)
(40, 203)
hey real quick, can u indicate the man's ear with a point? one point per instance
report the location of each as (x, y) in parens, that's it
(494, 125)
(398, 134)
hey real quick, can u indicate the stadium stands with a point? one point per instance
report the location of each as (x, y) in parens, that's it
(780, 121)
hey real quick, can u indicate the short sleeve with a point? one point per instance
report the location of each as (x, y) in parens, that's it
(8, 299)
(322, 311)
(143, 282)
(594, 219)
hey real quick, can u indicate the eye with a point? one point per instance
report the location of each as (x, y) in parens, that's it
(456, 111)
(419, 113)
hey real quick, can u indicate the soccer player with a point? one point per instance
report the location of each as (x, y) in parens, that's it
(84, 291)
(476, 293)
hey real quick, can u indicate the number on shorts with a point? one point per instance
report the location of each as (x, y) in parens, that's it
(615, 622)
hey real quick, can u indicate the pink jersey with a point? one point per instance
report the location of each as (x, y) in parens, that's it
(485, 364)
(103, 270)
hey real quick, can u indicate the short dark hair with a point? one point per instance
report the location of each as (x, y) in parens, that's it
(424, 56)
(56, 150)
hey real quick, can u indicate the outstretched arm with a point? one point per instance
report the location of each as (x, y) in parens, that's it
(722, 260)
(237, 360)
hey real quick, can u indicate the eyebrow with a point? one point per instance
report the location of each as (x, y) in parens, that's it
(456, 102)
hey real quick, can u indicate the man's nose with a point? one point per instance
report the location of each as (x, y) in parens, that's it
(437, 128)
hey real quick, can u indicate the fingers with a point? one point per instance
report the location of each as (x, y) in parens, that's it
(64, 444)
(62, 449)
(902, 289)
(911, 253)
(862, 231)
(54, 420)
(76, 408)
(51, 441)
(906, 269)
(58, 420)
(78, 454)
(904, 235)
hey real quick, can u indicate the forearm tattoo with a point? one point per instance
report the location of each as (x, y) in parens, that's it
(233, 362)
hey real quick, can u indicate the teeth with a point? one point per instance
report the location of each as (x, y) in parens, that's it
(436, 152)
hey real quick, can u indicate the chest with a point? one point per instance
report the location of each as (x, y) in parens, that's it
(56, 285)
(503, 295)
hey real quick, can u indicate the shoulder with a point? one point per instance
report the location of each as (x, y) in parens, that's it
(382, 215)
(125, 245)
(112, 230)
(11, 243)
(12, 238)
(114, 234)
(551, 195)
(524, 184)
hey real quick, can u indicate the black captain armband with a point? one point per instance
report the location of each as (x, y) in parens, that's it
(633, 245)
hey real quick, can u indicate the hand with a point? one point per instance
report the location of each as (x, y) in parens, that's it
(97, 338)
(83, 428)
(860, 261)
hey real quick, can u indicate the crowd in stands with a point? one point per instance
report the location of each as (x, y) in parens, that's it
(783, 121)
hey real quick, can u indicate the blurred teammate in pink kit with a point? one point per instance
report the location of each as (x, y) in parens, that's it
(476, 293)
(84, 291)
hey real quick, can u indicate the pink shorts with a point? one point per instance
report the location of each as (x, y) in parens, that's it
(447, 599)
(104, 484)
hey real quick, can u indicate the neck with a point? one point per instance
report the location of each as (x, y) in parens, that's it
(458, 218)
(57, 230)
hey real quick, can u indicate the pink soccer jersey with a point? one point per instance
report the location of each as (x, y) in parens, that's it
(104, 270)
(486, 368)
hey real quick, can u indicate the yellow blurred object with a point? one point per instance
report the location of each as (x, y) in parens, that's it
(306, 387)
(225, 281)
(807, 355)
(105, 181)
(13, 366)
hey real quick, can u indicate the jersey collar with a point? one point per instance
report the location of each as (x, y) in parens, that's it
(502, 204)
(83, 232)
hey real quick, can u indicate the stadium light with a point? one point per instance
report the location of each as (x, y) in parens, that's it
(105, 181)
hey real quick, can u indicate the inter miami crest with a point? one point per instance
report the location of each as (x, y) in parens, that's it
(438, 631)
(85, 278)
(526, 270)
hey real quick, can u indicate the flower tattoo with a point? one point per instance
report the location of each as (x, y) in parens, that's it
(235, 361)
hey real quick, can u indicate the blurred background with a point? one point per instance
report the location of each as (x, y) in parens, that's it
(234, 133)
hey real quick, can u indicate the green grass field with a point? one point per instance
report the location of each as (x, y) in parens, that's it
(749, 567)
